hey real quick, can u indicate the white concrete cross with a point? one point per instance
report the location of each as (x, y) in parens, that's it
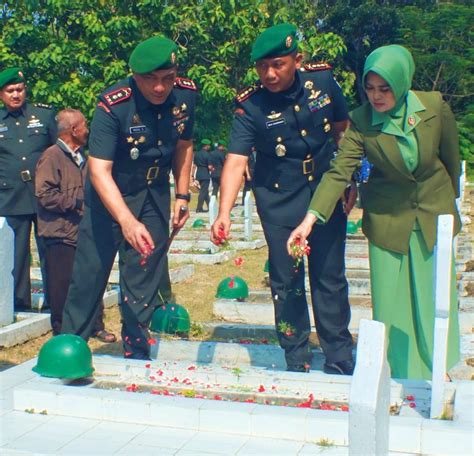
(248, 209)
(212, 209)
(369, 400)
(442, 295)
(7, 248)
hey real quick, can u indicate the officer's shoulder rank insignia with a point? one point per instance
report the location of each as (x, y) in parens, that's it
(316, 66)
(185, 83)
(118, 95)
(247, 92)
(43, 105)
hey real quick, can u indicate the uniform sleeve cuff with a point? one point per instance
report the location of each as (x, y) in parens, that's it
(321, 220)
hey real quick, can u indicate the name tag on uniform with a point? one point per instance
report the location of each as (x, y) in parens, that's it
(35, 125)
(3, 128)
(319, 103)
(275, 123)
(137, 129)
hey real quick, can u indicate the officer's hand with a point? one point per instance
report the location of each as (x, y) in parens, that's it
(301, 232)
(180, 214)
(220, 230)
(349, 198)
(136, 234)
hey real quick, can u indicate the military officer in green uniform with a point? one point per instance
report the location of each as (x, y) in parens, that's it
(141, 130)
(26, 130)
(217, 158)
(292, 117)
(202, 174)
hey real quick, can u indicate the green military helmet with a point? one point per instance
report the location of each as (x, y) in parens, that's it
(171, 319)
(352, 227)
(232, 288)
(266, 268)
(198, 223)
(65, 356)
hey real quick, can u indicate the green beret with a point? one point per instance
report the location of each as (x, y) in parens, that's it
(206, 142)
(275, 41)
(222, 142)
(11, 76)
(155, 53)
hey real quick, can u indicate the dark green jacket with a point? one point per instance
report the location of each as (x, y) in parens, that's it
(394, 198)
(24, 136)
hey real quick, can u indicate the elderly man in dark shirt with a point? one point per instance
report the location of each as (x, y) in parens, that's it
(60, 176)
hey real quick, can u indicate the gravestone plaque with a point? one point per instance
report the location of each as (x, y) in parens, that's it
(248, 209)
(212, 209)
(6, 272)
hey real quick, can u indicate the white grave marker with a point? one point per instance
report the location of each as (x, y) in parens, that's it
(212, 209)
(7, 247)
(369, 400)
(248, 209)
(442, 295)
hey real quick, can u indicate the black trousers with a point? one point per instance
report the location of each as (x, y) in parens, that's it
(329, 291)
(59, 261)
(100, 237)
(21, 226)
(203, 194)
(216, 182)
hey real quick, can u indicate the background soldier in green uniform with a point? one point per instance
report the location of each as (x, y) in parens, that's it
(26, 130)
(142, 128)
(217, 158)
(291, 117)
(202, 174)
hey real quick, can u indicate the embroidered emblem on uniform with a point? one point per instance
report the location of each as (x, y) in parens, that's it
(181, 128)
(308, 85)
(183, 107)
(134, 153)
(314, 94)
(176, 111)
(319, 103)
(280, 150)
(130, 139)
(411, 121)
(136, 119)
(274, 115)
(289, 41)
(327, 127)
(141, 139)
(275, 123)
(137, 129)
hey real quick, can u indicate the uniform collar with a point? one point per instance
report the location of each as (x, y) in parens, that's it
(293, 92)
(76, 155)
(18, 112)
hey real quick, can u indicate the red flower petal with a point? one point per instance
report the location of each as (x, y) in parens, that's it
(261, 389)
(148, 365)
(217, 397)
(190, 368)
(151, 341)
(345, 408)
(412, 405)
(410, 397)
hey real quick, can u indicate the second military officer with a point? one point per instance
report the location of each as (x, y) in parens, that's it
(142, 129)
(202, 174)
(291, 117)
(26, 130)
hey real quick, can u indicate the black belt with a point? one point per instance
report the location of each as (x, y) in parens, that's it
(138, 179)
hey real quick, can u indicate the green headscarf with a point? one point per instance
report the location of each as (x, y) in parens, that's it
(395, 64)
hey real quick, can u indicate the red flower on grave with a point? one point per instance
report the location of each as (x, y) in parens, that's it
(217, 397)
(231, 283)
(410, 397)
(239, 261)
(155, 392)
(261, 389)
(250, 401)
(159, 372)
(152, 378)
(151, 341)
(190, 368)
(344, 408)
(175, 380)
(132, 388)
(148, 365)
(412, 405)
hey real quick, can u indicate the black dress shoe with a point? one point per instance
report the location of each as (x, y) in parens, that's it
(298, 368)
(344, 367)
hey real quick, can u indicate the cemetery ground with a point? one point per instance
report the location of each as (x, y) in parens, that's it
(167, 415)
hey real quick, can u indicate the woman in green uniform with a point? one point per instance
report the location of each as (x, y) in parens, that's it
(411, 140)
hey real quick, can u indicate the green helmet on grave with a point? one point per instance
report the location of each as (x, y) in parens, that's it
(65, 356)
(232, 288)
(266, 268)
(352, 227)
(198, 223)
(171, 319)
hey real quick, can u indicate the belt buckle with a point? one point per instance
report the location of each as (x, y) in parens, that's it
(308, 166)
(152, 172)
(25, 175)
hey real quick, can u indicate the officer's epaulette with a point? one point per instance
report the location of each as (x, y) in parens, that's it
(118, 95)
(247, 92)
(316, 66)
(42, 105)
(185, 83)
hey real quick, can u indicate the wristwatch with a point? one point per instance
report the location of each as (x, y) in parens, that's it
(183, 196)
